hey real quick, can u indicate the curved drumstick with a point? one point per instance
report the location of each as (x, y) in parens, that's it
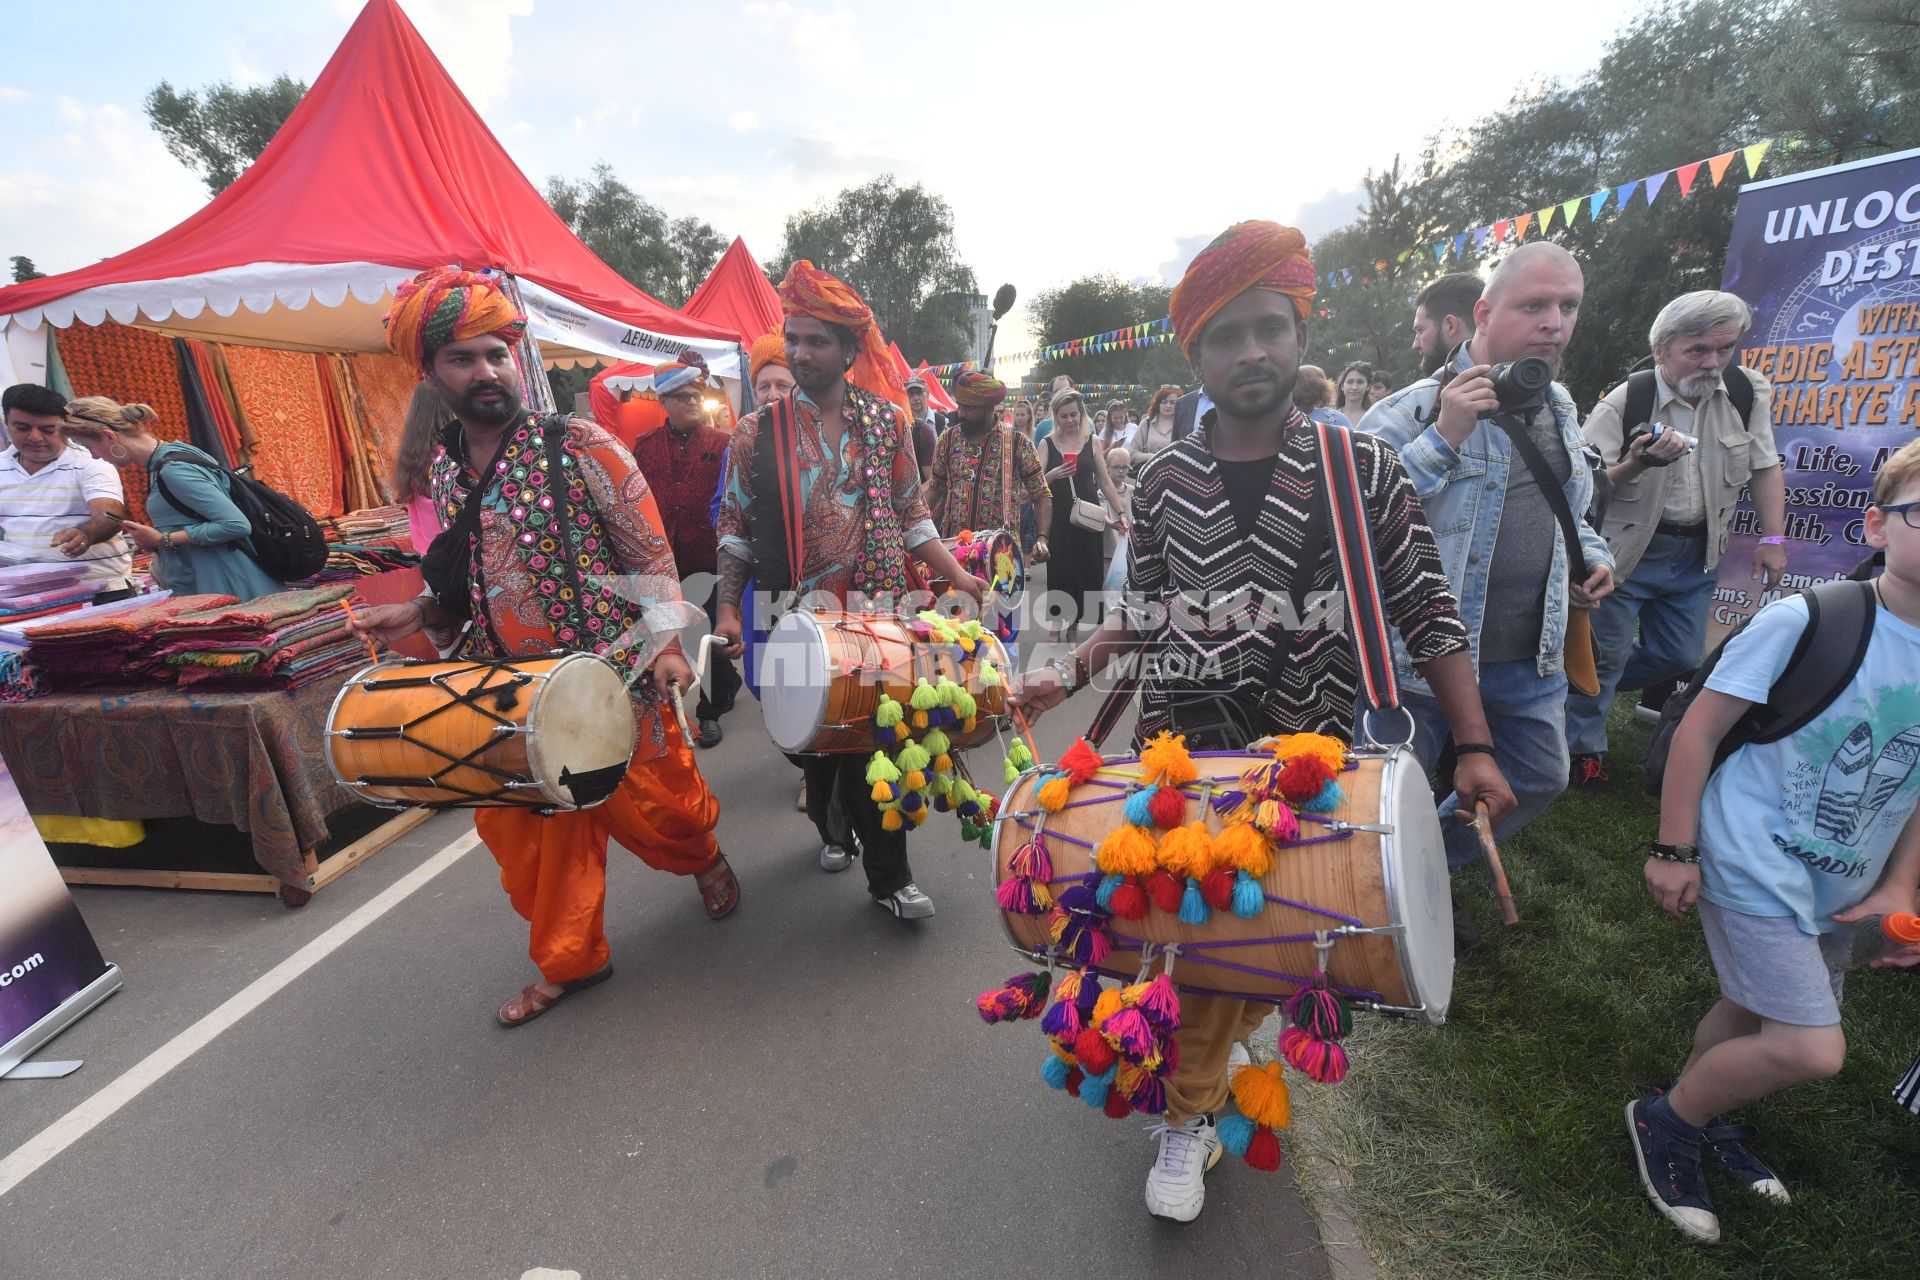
(1502, 891)
(680, 712)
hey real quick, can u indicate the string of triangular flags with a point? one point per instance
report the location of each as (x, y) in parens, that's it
(1131, 338)
(1090, 388)
(1563, 213)
(1482, 238)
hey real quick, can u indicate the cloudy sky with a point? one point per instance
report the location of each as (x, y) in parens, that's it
(1070, 138)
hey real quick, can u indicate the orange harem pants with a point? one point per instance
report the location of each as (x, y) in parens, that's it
(554, 868)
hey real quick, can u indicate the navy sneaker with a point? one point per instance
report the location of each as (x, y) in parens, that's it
(1670, 1172)
(1727, 1150)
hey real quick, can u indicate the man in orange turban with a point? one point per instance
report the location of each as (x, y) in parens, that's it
(769, 352)
(788, 520)
(575, 558)
(1209, 513)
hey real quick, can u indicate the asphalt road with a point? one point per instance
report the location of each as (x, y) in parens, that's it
(801, 1090)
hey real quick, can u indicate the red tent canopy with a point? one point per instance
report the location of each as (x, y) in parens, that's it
(383, 170)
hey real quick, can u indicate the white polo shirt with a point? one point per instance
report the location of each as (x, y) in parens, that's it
(34, 507)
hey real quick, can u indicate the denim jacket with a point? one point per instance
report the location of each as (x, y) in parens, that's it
(1463, 491)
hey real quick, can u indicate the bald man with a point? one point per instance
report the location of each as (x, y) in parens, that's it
(1499, 539)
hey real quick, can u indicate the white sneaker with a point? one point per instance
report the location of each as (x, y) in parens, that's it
(1176, 1185)
(834, 857)
(1237, 1057)
(908, 902)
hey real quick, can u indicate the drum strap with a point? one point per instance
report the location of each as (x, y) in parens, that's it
(786, 473)
(1353, 552)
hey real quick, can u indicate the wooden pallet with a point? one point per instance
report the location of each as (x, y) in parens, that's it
(319, 873)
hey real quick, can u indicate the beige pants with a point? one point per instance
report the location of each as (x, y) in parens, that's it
(1208, 1027)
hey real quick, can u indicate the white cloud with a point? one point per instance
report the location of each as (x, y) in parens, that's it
(520, 129)
(744, 121)
(10, 94)
(100, 186)
(827, 36)
(474, 38)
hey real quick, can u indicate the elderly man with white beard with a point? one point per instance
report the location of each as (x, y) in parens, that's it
(1679, 442)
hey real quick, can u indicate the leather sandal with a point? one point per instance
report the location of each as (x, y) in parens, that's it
(532, 1001)
(719, 889)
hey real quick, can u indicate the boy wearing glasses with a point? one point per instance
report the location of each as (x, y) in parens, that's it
(1785, 842)
(59, 503)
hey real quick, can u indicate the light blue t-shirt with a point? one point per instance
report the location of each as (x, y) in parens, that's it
(1802, 827)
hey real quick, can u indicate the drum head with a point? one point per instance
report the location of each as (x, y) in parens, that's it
(794, 681)
(581, 723)
(1414, 860)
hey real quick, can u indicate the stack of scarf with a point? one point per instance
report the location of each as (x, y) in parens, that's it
(17, 680)
(282, 641)
(110, 650)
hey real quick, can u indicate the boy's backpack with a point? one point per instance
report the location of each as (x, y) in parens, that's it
(287, 541)
(1840, 618)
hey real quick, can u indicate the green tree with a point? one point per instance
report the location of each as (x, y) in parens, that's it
(895, 245)
(24, 270)
(219, 130)
(1101, 304)
(666, 258)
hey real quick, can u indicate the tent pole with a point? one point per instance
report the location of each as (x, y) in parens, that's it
(536, 390)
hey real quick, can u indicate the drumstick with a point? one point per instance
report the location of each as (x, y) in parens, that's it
(373, 654)
(680, 711)
(1020, 722)
(1502, 891)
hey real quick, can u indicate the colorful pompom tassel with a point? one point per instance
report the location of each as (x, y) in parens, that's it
(1166, 759)
(1031, 859)
(1217, 888)
(1249, 899)
(1055, 1071)
(1158, 1001)
(1022, 997)
(1302, 778)
(892, 820)
(1327, 799)
(1081, 762)
(1128, 901)
(1163, 890)
(1261, 1095)
(1150, 1098)
(1054, 793)
(1234, 1132)
(1167, 807)
(1193, 907)
(1138, 807)
(1117, 1107)
(1108, 886)
(1096, 1085)
(1320, 1012)
(1091, 1051)
(1127, 850)
(1320, 1060)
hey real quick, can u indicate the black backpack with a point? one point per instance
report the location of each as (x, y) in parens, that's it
(1840, 618)
(286, 540)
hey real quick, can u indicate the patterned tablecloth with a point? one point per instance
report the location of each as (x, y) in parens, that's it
(255, 761)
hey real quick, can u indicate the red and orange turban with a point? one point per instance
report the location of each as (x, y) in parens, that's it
(446, 305)
(1247, 255)
(768, 348)
(809, 291)
(976, 387)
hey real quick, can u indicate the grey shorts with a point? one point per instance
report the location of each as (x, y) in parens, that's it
(1766, 965)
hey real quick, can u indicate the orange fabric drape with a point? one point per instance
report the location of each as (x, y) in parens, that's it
(554, 869)
(281, 395)
(384, 385)
(132, 366)
(362, 482)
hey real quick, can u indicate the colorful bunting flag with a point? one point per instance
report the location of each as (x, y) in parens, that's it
(1687, 173)
(1623, 193)
(1546, 218)
(1654, 182)
(1754, 155)
(1569, 210)
(1460, 245)
(1499, 233)
(1595, 202)
(1718, 166)
(1520, 225)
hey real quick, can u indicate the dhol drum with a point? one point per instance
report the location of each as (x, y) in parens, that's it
(1371, 875)
(822, 674)
(545, 733)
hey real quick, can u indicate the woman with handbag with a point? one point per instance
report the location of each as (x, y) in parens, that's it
(1077, 474)
(199, 546)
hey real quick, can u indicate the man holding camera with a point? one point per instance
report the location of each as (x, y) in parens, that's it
(1474, 439)
(1680, 441)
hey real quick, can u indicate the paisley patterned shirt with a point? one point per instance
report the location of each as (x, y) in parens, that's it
(968, 473)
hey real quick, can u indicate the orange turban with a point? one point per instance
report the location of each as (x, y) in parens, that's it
(446, 305)
(768, 348)
(1247, 255)
(809, 291)
(975, 387)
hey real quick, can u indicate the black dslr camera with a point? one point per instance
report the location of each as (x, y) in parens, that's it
(1521, 384)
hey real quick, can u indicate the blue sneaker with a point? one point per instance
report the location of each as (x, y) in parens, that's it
(1670, 1172)
(1726, 1147)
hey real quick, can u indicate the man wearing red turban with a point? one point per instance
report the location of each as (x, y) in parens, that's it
(1220, 514)
(984, 471)
(847, 536)
(573, 558)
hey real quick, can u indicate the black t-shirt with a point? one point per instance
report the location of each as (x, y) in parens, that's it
(1246, 484)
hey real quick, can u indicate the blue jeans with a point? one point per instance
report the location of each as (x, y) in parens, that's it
(1669, 595)
(1527, 713)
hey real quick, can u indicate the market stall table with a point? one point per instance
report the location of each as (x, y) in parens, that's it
(252, 760)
